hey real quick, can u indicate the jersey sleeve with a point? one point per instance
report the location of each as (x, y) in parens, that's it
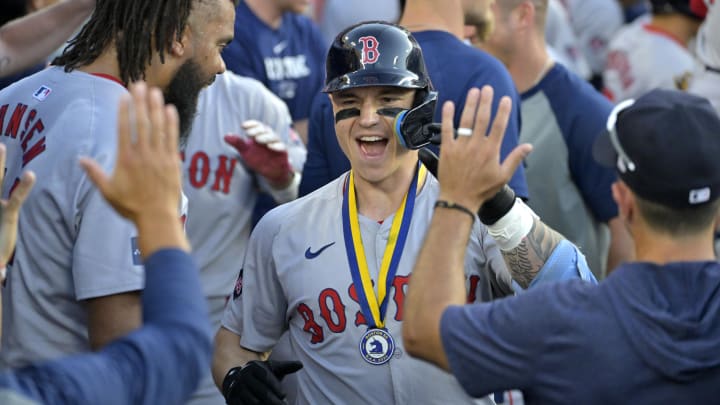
(258, 306)
(494, 346)
(106, 257)
(159, 363)
(593, 180)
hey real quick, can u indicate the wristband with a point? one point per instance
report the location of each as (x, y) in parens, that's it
(454, 206)
(496, 207)
(510, 230)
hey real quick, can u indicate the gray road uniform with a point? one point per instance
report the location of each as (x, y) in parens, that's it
(296, 278)
(222, 191)
(72, 246)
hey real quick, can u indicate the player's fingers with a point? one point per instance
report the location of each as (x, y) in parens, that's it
(483, 111)
(139, 110)
(96, 174)
(467, 118)
(238, 143)
(3, 152)
(447, 133)
(172, 129)
(18, 196)
(283, 368)
(513, 160)
(247, 124)
(156, 106)
(266, 137)
(277, 146)
(497, 132)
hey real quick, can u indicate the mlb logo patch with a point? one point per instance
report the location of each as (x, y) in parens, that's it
(135, 251)
(42, 93)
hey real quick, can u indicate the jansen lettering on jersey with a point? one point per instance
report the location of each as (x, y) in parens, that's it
(23, 124)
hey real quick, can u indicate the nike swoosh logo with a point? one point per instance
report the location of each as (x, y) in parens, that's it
(309, 254)
(280, 47)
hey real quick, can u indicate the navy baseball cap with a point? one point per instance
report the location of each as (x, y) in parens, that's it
(665, 146)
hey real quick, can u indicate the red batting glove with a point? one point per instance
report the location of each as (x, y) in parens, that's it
(264, 153)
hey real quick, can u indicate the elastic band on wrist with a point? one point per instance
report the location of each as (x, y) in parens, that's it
(454, 206)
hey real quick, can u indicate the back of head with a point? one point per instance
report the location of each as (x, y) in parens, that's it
(690, 8)
(666, 147)
(137, 29)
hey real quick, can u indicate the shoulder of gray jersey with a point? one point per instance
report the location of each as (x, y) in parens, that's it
(257, 101)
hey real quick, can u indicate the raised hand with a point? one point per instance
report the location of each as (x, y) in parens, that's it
(264, 153)
(469, 170)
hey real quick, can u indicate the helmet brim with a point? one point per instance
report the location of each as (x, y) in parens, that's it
(370, 78)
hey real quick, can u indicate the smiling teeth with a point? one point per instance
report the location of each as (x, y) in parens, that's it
(370, 139)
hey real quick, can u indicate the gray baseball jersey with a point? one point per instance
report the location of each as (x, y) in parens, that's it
(641, 58)
(296, 277)
(221, 191)
(71, 245)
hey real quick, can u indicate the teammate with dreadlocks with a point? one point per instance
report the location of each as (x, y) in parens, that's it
(76, 275)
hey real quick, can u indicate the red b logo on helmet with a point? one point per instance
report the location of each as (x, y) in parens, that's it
(370, 53)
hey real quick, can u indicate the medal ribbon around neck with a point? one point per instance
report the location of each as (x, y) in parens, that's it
(372, 306)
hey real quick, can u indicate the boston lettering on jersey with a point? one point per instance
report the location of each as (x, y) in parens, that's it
(20, 123)
(201, 167)
(333, 310)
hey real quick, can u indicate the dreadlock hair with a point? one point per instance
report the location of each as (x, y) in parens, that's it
(137, 27)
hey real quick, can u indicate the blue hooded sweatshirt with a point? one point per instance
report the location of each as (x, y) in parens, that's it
(648, 334)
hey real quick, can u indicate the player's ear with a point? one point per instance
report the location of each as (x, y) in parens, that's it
(180, 46)
(625, 200)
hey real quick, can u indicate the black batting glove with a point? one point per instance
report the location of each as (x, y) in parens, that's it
(257, 382)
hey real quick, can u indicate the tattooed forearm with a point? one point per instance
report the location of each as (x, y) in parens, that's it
(526, 260)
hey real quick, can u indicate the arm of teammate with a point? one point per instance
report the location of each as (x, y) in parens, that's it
(246, 377)
(27, 41)
(469, 174)
(164, 360)
(266, 154)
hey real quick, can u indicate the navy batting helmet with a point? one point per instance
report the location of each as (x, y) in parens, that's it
(379, 53)
(375, 53)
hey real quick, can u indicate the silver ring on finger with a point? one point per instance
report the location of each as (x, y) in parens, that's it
(464, 132)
